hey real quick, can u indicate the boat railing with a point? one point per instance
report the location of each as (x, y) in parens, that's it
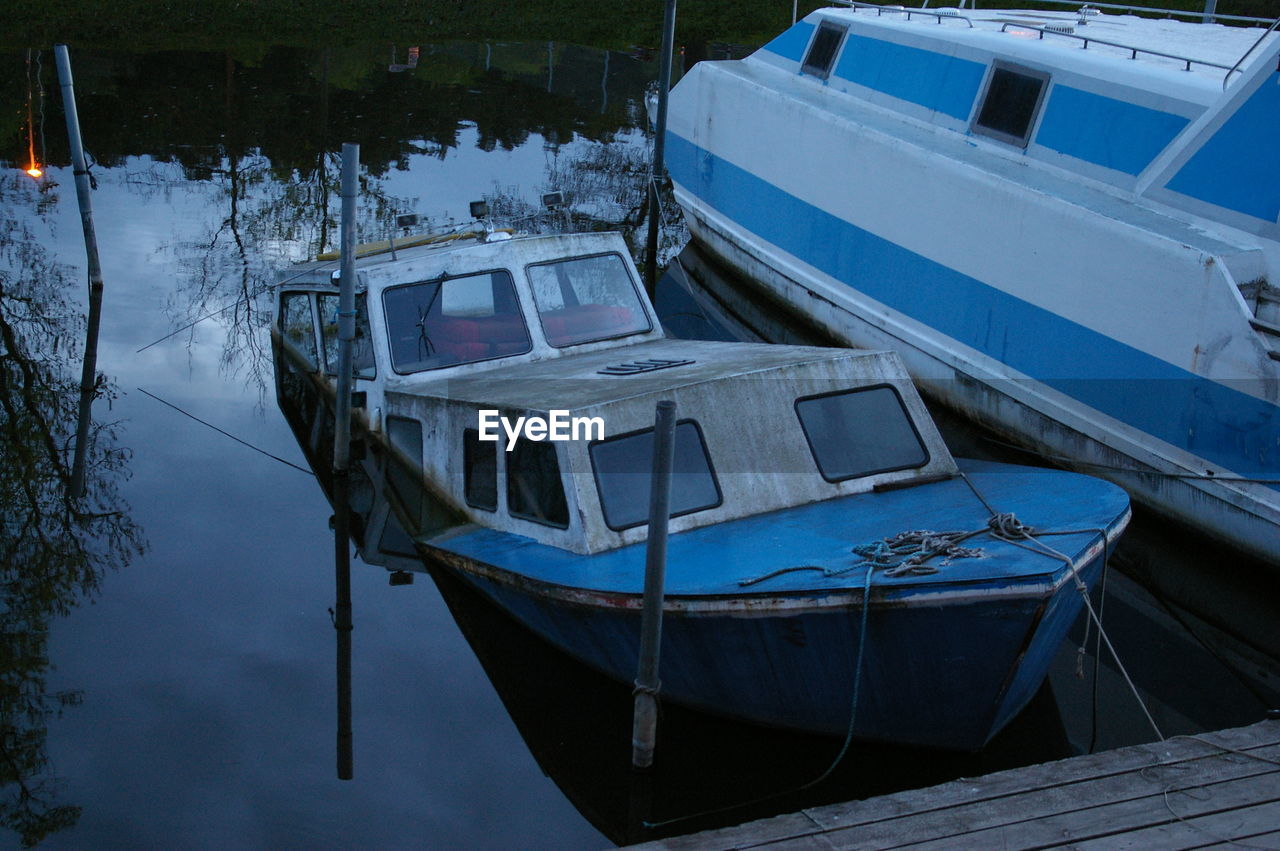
(902, 10)
(1133, 51)
(1168, 13)
(1240, 61)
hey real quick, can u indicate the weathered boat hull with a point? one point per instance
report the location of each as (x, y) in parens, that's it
(1243, 515)
(1096, 279)
(946, 675)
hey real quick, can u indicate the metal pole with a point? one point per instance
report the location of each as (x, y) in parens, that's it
(342, 456)
(645, 720)
(659, 147)
(89, 369)
(1210, 6)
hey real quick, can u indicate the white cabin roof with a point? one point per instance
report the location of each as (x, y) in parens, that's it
(1213, 48)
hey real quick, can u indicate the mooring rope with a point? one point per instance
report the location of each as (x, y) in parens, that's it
(1029, 539)
(849, 732)
(913, 549)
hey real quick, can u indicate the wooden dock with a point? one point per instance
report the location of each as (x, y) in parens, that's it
(1215, 789)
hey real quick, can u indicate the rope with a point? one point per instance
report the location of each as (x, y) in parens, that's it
(227, 433)
(239, 301)
(1027, 539)
(848, 738)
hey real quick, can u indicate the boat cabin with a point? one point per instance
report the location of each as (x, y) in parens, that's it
(512, 384)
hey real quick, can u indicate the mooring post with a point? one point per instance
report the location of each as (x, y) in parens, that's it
(89, 368)
(645, 720)
(342, 455)
(659, 148)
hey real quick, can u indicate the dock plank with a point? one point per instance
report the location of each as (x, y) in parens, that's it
(1044, 776)
(793, 826)
(1099, 798)
(1005, 812)
(1125, 816)
(1247, 825)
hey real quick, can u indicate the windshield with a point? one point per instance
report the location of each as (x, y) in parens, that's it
(586, 299)
(455, 320)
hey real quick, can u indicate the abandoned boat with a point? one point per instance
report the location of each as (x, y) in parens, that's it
(817, 518)
(1064, 222)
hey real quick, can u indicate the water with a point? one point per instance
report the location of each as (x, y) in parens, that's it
(169, 679)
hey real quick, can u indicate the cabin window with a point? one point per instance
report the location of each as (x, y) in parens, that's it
(1011, 103)
(623, 467)
(405, 480)
(296, 324)
(534, 488)
(859, 432)
(587, 299)
(821, 56)
(449, 321)
(361, 346)
(479, 470)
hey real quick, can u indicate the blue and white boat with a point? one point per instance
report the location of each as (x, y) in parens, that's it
(817, 516)
(1064, 222)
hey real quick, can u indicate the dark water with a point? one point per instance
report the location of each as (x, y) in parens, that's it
(166, 648)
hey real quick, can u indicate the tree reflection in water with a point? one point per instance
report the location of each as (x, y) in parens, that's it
(56, 549)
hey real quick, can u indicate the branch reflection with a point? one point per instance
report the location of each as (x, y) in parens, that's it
(56, 549)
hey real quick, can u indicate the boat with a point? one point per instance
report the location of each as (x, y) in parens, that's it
(830, 567)
(1065, 222)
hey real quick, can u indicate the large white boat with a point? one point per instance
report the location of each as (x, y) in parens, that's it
(1064, 222)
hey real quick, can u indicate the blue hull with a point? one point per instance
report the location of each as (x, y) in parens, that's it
(937, 676)
(949, 658)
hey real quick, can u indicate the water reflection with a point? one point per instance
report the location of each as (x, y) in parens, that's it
(57, 548)
(261, 150)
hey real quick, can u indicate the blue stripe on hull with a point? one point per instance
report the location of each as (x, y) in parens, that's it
(935, 81)
(1105, 131)
(947, 677)
(1092, 127)
(1237, 167)
(1229, 429)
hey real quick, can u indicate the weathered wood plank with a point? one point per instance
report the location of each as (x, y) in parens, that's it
(1243, 825)
(749, 835)
(1047, 775)
(1069, 790)
(1262, 840)
(967, 818)
(1130, 815)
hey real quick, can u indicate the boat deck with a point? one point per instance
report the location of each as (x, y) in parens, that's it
(1215, 789)
(760, 555)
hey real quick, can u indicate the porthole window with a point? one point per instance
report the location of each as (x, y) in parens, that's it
(1011, 103)
(823, 49)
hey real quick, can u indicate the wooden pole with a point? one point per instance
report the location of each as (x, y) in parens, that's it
(342, 456)
(645, 719)
(659, 147)
(89, 368)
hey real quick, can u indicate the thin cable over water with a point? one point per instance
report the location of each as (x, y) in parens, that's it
(227, 433)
